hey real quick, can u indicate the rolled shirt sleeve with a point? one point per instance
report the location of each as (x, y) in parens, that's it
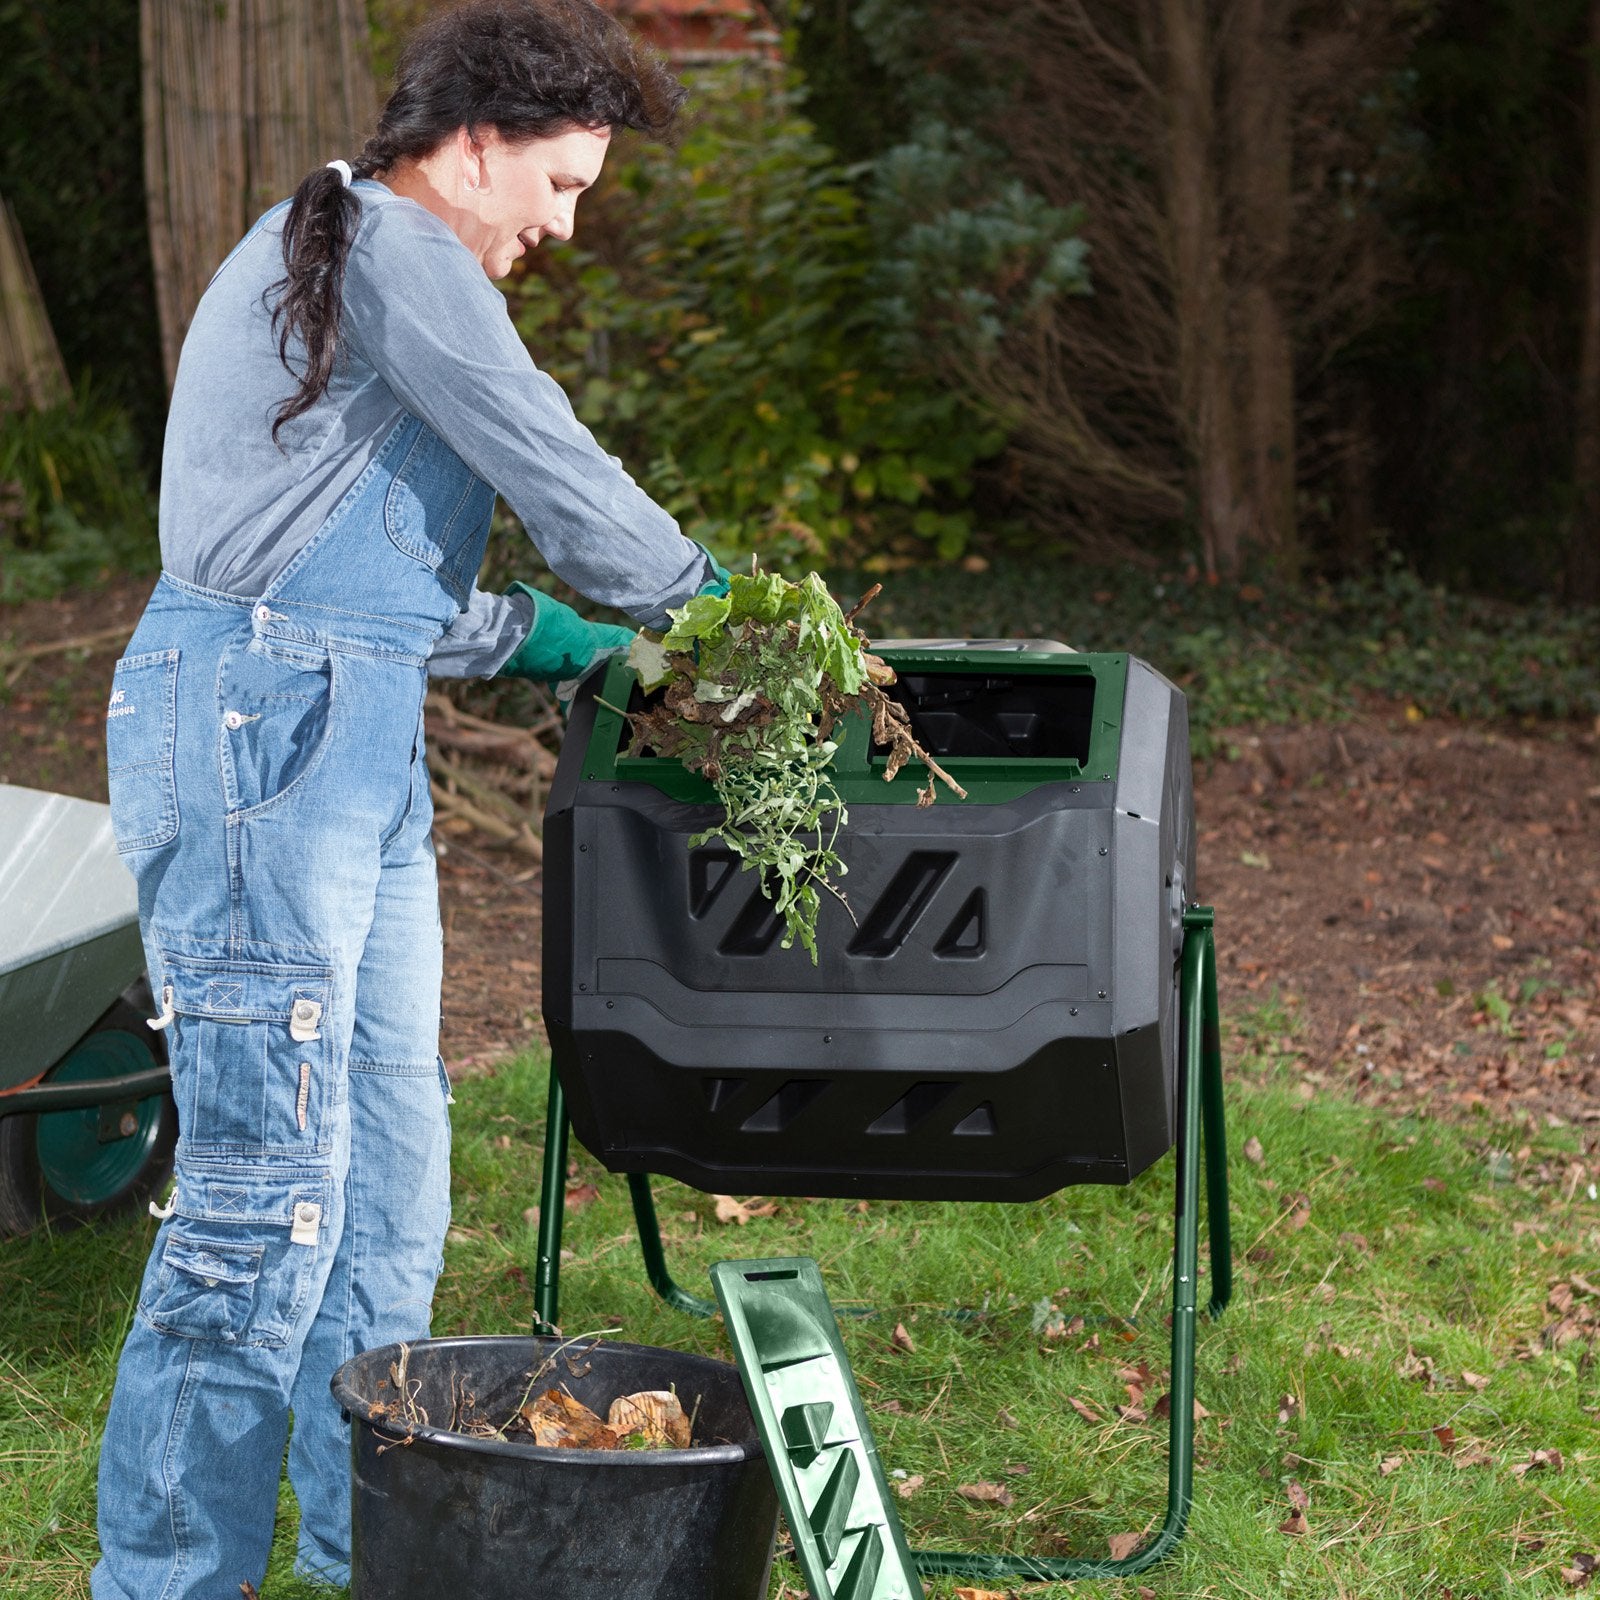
(419, 309)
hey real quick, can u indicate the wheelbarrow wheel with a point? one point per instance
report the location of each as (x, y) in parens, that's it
(69, 1166)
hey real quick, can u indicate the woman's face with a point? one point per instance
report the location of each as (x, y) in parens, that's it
(511, 196)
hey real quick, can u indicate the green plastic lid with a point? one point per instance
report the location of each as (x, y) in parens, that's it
(808, 1413)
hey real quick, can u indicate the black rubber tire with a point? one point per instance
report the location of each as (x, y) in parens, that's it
(26, 1197)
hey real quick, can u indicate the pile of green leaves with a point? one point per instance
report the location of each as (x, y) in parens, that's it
(752, 684)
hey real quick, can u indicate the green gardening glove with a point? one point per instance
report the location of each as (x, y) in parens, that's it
(561, 647)
(717, 583)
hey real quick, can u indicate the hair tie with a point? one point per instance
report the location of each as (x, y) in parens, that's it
(343, 169)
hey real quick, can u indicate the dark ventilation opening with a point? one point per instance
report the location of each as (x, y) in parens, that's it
(966, 937)
(921, 1100)
(784, 1106)
(977, 1123)
(884, 928)
(1047, 715)
(719, 1091)
(755, 929)
(709, 872)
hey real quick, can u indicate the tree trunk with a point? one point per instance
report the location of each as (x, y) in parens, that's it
(1204, 388)
(1583, 554)
(241, 99)
(1258, 186)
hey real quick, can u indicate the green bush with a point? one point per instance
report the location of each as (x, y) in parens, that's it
(74, 501)
(723, 337)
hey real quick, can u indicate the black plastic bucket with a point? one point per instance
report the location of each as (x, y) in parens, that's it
(448, 1515)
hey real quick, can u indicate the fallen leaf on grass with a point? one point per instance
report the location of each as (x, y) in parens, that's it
(1583, 1568)
(893, 1407)
(1295, 1524)
(1475, 1457)
(742, 1211)
(1085, 1410)
(1288, 1407)
(655, 1415)
(980, 1594)
(1124, 1544)
(995, 1493)
(1253, 1151)
(901, 1339)
(1540, 1460)
(581, 1195)
(1446, 1436)
(1133, 1413)
(1434, 1185)
(1006, 1420)
(910, 1486)
(1474, 1380)
(1390, 1464)
(1163, 1408)
(1299, 1496)
(1016, 1469)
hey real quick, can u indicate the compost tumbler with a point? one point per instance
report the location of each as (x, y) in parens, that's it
(994, 1017)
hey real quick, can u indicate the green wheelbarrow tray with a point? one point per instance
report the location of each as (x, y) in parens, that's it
(85, 1117)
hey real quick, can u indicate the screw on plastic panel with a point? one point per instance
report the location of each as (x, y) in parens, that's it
(582, 848)
(611, 1005)
(1072, 1011)
(1102, 994)
(1103, 850)
(584, 987)
(827, 1038)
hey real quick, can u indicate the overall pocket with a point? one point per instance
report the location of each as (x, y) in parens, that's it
(437, 512)
(238, 1258)
(277, 703)
(252, 1059)
(204, 1288)
(141, 732)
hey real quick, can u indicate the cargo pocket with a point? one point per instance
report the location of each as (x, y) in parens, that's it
(436, 511)
(204, 1289)
(141, 730)
(254, 1073)
(276, 707)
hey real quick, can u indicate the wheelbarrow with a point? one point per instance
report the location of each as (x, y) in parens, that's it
(87, 1122)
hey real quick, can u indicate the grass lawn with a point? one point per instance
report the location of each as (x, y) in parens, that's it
(1414, 1324)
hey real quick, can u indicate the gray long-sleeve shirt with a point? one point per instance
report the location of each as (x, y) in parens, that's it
(424, 332)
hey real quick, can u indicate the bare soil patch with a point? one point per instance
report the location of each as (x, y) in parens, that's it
(1421, 899)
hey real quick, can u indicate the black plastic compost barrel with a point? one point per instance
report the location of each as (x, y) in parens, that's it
(455, 1516)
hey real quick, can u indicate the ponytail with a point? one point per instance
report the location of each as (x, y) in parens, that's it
(529, 69)
(317, 235)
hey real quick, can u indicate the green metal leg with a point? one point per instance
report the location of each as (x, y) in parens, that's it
(1201, 1135)
(655, 1257)
(552, 1212)
(1198, 1001)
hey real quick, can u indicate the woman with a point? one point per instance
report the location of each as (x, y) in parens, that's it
(350, 398)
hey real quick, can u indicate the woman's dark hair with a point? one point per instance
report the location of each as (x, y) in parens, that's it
(529, 69)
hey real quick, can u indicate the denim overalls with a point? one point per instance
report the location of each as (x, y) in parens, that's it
(269, 793)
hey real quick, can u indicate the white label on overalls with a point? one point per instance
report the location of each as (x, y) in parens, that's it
(304, 1021)
(307, 1220)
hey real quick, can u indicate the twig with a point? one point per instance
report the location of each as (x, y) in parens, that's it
(452, 805)
(862, 604)
(548, 1365)
(16, 659)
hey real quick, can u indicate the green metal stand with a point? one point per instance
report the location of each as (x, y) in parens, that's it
(1201, 1133)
